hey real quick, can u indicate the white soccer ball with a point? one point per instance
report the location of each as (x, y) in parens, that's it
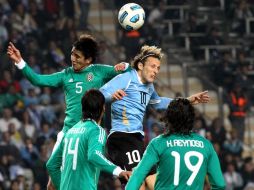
(131, 16)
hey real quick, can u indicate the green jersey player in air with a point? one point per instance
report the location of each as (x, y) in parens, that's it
(75, 80)
(81, 152)
(183, 158)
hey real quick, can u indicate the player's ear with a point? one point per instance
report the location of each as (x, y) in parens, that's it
(140, 66)
(89, 60)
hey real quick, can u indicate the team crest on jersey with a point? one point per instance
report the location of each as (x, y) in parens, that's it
(89, 77)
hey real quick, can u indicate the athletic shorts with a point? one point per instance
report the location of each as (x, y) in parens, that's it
(126, 150)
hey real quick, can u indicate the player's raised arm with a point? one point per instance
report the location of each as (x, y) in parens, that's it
(122, 66)
(201, 97)
(51, 80)
(13, 53)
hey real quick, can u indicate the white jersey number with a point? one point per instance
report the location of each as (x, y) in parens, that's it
(68, 150)
(79, 87)
(193, 168)
(133, 156)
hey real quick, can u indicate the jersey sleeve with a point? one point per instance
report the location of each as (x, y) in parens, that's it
(96, 143)
(119, 82)
(54, 166)
(214, 172)
(158, 102)
(108, 72)
(51, 80)
(149, 159)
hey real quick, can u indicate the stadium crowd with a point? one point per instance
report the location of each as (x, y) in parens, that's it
(30, 117)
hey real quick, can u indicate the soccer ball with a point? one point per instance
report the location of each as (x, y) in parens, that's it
(131, 16)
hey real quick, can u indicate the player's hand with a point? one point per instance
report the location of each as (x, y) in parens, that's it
(118, 95)
(201, 97)
(125, 174)
(120, 66)
(13, 53)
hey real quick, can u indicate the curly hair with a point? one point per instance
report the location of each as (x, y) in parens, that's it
(145, 52)
(179, 117)
(88, 45)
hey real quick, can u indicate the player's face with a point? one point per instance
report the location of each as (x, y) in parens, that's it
(149, 70)
(78, 60)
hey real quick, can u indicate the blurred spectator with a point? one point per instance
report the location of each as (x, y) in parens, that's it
(29, 153)
(224, 71)
(131, 42)
(16, 138)
(14, 185)
(4, 171)
(214, 38)
(3, 30)
(12, 99)
(241, 12)
(38, 14)
(8, 149)
(36, 186)
(155, 22)
(40, 172)
(7, 119)
(217, 131)
(6, 81)
(56, 55)
(233, 145)
(193, 25)
(51, 8)
(27, 129)
(46, 131)
(68, 6)
(156, 129)
(248, 171)
(84, 9)
(233, 179)
(22, 21)
(105, 56)
(31, 98)
(199, 127)
(34, 113)
(238, 105)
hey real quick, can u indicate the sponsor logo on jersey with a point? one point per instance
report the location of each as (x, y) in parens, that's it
(89, 77)
(71, 80)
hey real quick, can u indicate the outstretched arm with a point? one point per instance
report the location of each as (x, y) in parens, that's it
(162, 102)
(123, 66)
(201, 97)
(13, 53)
(51, 80)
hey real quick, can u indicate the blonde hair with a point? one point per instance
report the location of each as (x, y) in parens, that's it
(145, 52)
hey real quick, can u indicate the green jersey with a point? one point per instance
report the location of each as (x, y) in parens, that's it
(80, 156)
(182, 163)
(74, 84)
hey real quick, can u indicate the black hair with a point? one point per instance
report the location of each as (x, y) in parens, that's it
(179, 117)
(93, 103)
(88, 46)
